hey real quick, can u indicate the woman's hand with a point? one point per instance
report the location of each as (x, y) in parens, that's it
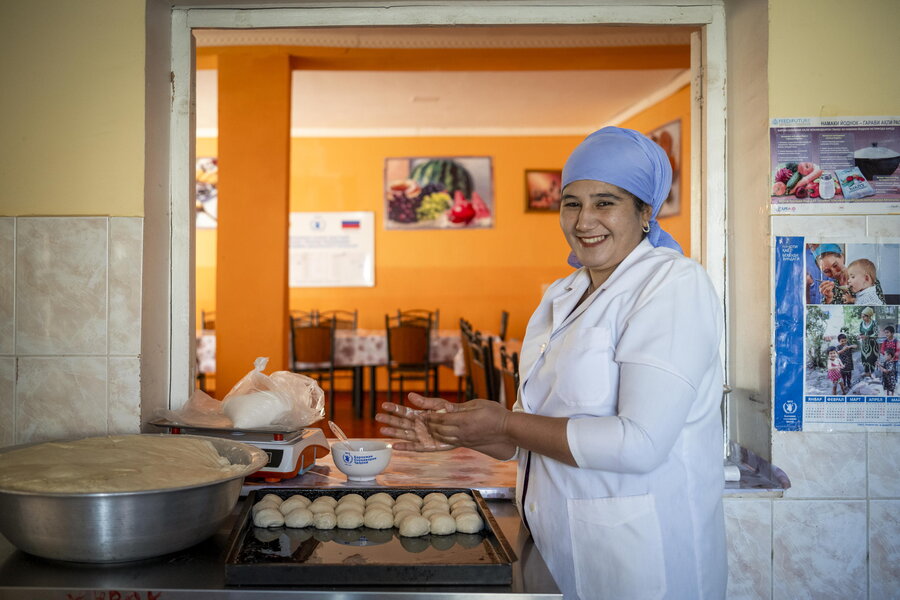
(475, 424)
(408, 424)
(826, 288)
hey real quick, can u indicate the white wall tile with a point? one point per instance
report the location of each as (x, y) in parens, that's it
(124, 413)
(7, 284)
(884, 465)
(125, 245)
(61, 286)
(748, 529)
(60, 397)
(819, 550)
(822, 465)
(7, 401)
(884, 549)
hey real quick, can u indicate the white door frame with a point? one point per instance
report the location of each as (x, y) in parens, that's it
(708, 162)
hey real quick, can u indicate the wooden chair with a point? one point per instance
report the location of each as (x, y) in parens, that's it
(409, 353)
(312, 353)
(423, 317)
(464, 383)
(207, 319)
(346, 320)
(305, 317)
(509, 376)
(504, 325)
(483, 384)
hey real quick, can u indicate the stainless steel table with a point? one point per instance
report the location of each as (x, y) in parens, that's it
(199, 572)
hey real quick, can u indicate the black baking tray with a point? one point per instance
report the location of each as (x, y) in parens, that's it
(284, 556)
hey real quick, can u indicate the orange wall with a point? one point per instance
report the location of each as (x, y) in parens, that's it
(472, 274)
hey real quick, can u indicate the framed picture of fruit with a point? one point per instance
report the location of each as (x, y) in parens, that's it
(542, 189)
(438, 193)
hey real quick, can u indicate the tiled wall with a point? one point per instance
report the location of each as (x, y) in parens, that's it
(834, 534)
(70, 314)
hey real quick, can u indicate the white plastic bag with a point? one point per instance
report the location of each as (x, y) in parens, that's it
(283, 398)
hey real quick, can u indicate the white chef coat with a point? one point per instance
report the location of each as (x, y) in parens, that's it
(636, 369)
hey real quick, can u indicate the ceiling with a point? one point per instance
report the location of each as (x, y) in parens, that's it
(546, 101)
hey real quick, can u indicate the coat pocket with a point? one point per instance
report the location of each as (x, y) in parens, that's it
(585, 366)
(617, 547)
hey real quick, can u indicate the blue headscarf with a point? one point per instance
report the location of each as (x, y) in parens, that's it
(631, 161)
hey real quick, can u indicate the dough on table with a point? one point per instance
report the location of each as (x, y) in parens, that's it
(382, 497)
(378, 519)
(458, 496)
(263, 504)
(268, 517)
(351, 498)
(299, 517)
(324, 520)
(296, 501)
(350, 519)
(321, 507)
(442, 524)
(415, 527)
(414, 498)
(329, 500)
(469, 523)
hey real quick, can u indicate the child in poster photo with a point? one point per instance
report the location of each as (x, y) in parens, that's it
(885, 366)
(868, 337)
(834, 371)
(861, 282)
(845, 353)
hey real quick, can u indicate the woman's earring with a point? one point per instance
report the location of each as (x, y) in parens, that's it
(646, 228)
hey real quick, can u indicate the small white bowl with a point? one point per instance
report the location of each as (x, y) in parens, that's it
(367, 459)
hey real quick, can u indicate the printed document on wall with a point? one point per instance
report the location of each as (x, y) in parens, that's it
(332, 249)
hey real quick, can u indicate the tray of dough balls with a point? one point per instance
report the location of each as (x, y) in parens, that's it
(367, 536)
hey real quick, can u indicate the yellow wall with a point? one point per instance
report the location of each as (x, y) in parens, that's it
(832, 57)
(72, 107)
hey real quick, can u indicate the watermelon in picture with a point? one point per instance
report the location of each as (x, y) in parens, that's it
(449, 173)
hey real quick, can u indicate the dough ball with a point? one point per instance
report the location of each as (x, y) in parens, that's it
(404, 514)
(458, 496)
(436, 504)
(405, 505)
(324, 520)
(321, 508)
(414, 527)
(271, 498)
(469, 523)
(349, 506)
(350, 519)
(294, 502)
(378, 519)
(261, 505)
(435, 511)
(461, 507)
(268, 517)
(442, 524)
(382, 497)
(329, 500)
(435, 496)
(352, 498)
(415, 498)
(299, 517)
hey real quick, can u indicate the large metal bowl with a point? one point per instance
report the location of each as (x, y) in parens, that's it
(112, 527)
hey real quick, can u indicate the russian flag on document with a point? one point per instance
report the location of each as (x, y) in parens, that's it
(349, 224)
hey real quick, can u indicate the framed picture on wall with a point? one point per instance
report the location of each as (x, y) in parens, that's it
(542, 190)
(207, 192)
(668, 136)
(438, 193)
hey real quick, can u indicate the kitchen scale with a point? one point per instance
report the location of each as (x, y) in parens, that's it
(291, 452)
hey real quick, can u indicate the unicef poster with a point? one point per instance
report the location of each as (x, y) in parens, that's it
(836, 343)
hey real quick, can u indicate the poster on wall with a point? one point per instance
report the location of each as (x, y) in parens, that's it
(438, 193)
(836, 323)
(835, 165)
(668, 137)
(331, 249)
(206, 195)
